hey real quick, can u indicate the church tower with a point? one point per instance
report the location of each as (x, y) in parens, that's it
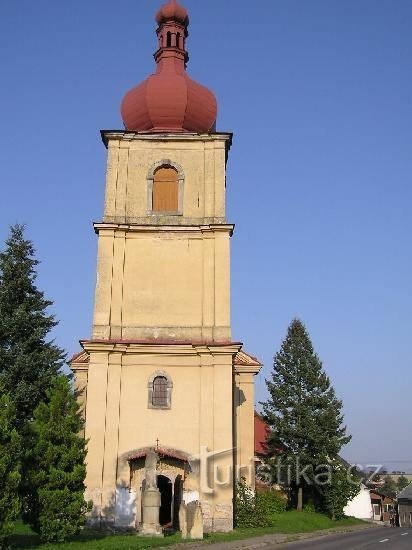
(160, 370)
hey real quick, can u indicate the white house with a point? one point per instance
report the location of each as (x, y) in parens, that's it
(360, 506)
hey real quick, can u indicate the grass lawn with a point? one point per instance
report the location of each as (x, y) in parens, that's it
(290, 522)
(287, 522)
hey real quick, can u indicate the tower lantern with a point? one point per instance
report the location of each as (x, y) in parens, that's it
(172, 32)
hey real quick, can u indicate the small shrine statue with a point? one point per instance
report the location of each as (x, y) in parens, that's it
(150, 470)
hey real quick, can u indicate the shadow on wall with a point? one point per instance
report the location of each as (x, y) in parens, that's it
(239, 397)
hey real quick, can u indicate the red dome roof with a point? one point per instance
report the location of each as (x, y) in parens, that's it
(172, 11)
(169, 100)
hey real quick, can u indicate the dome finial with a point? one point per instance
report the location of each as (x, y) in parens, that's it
(172, 11)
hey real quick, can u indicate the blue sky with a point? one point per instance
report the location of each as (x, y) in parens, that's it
(318, 95)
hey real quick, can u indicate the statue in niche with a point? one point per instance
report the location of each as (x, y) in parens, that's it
(150, 466)
(151, 498)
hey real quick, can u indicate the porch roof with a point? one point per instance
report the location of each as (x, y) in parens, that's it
(161, 451)
(406, 494)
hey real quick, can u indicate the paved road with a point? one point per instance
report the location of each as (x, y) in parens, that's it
(372, 538)
(396, 538)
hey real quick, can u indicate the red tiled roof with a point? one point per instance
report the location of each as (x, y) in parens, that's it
(262, 431)
(161, 451)
(243, 358)
(81, 357)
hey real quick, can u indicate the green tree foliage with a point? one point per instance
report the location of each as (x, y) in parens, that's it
(268, 505)
(10, 448)
(245, 505)
(302, 410)
(57, 504)
(338, 490)
(389, 487)
(257, 509)
(28, 361)
(402, 483)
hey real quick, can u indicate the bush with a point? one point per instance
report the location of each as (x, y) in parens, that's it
(339, 491)
(245, 505)
(269, 504)
(257, 510)
(57, 509)
(61, 514)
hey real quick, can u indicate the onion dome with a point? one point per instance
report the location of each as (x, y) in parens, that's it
(172, 11)
(169, 100)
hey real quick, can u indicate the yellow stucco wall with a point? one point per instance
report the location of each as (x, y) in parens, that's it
(118, 420)
(244, 433)
(164, 276)
(131, 157)
(167, 283)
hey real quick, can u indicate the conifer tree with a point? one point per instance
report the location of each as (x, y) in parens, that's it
(302, 410)
(10, 448)
(57, 506)
(28, 360)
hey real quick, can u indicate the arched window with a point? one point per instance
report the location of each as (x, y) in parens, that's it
(169, 39)
(160, 391)
(165, 190)
(159, 396)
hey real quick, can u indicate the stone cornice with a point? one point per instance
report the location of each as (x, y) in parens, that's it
(246, 369)
(163, 219)
(125, 135)
(79, 366)
(162, 348)
(212, 228)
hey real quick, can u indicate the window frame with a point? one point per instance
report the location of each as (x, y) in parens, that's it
(150, 391)
(165, 163)
(159, 393)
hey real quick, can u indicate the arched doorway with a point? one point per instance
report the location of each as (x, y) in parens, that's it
(171, 471)
(165, 487)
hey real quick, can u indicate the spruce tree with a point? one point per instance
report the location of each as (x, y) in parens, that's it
(302, 410)
(28, 359)
(57, 506)
(10, 448)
